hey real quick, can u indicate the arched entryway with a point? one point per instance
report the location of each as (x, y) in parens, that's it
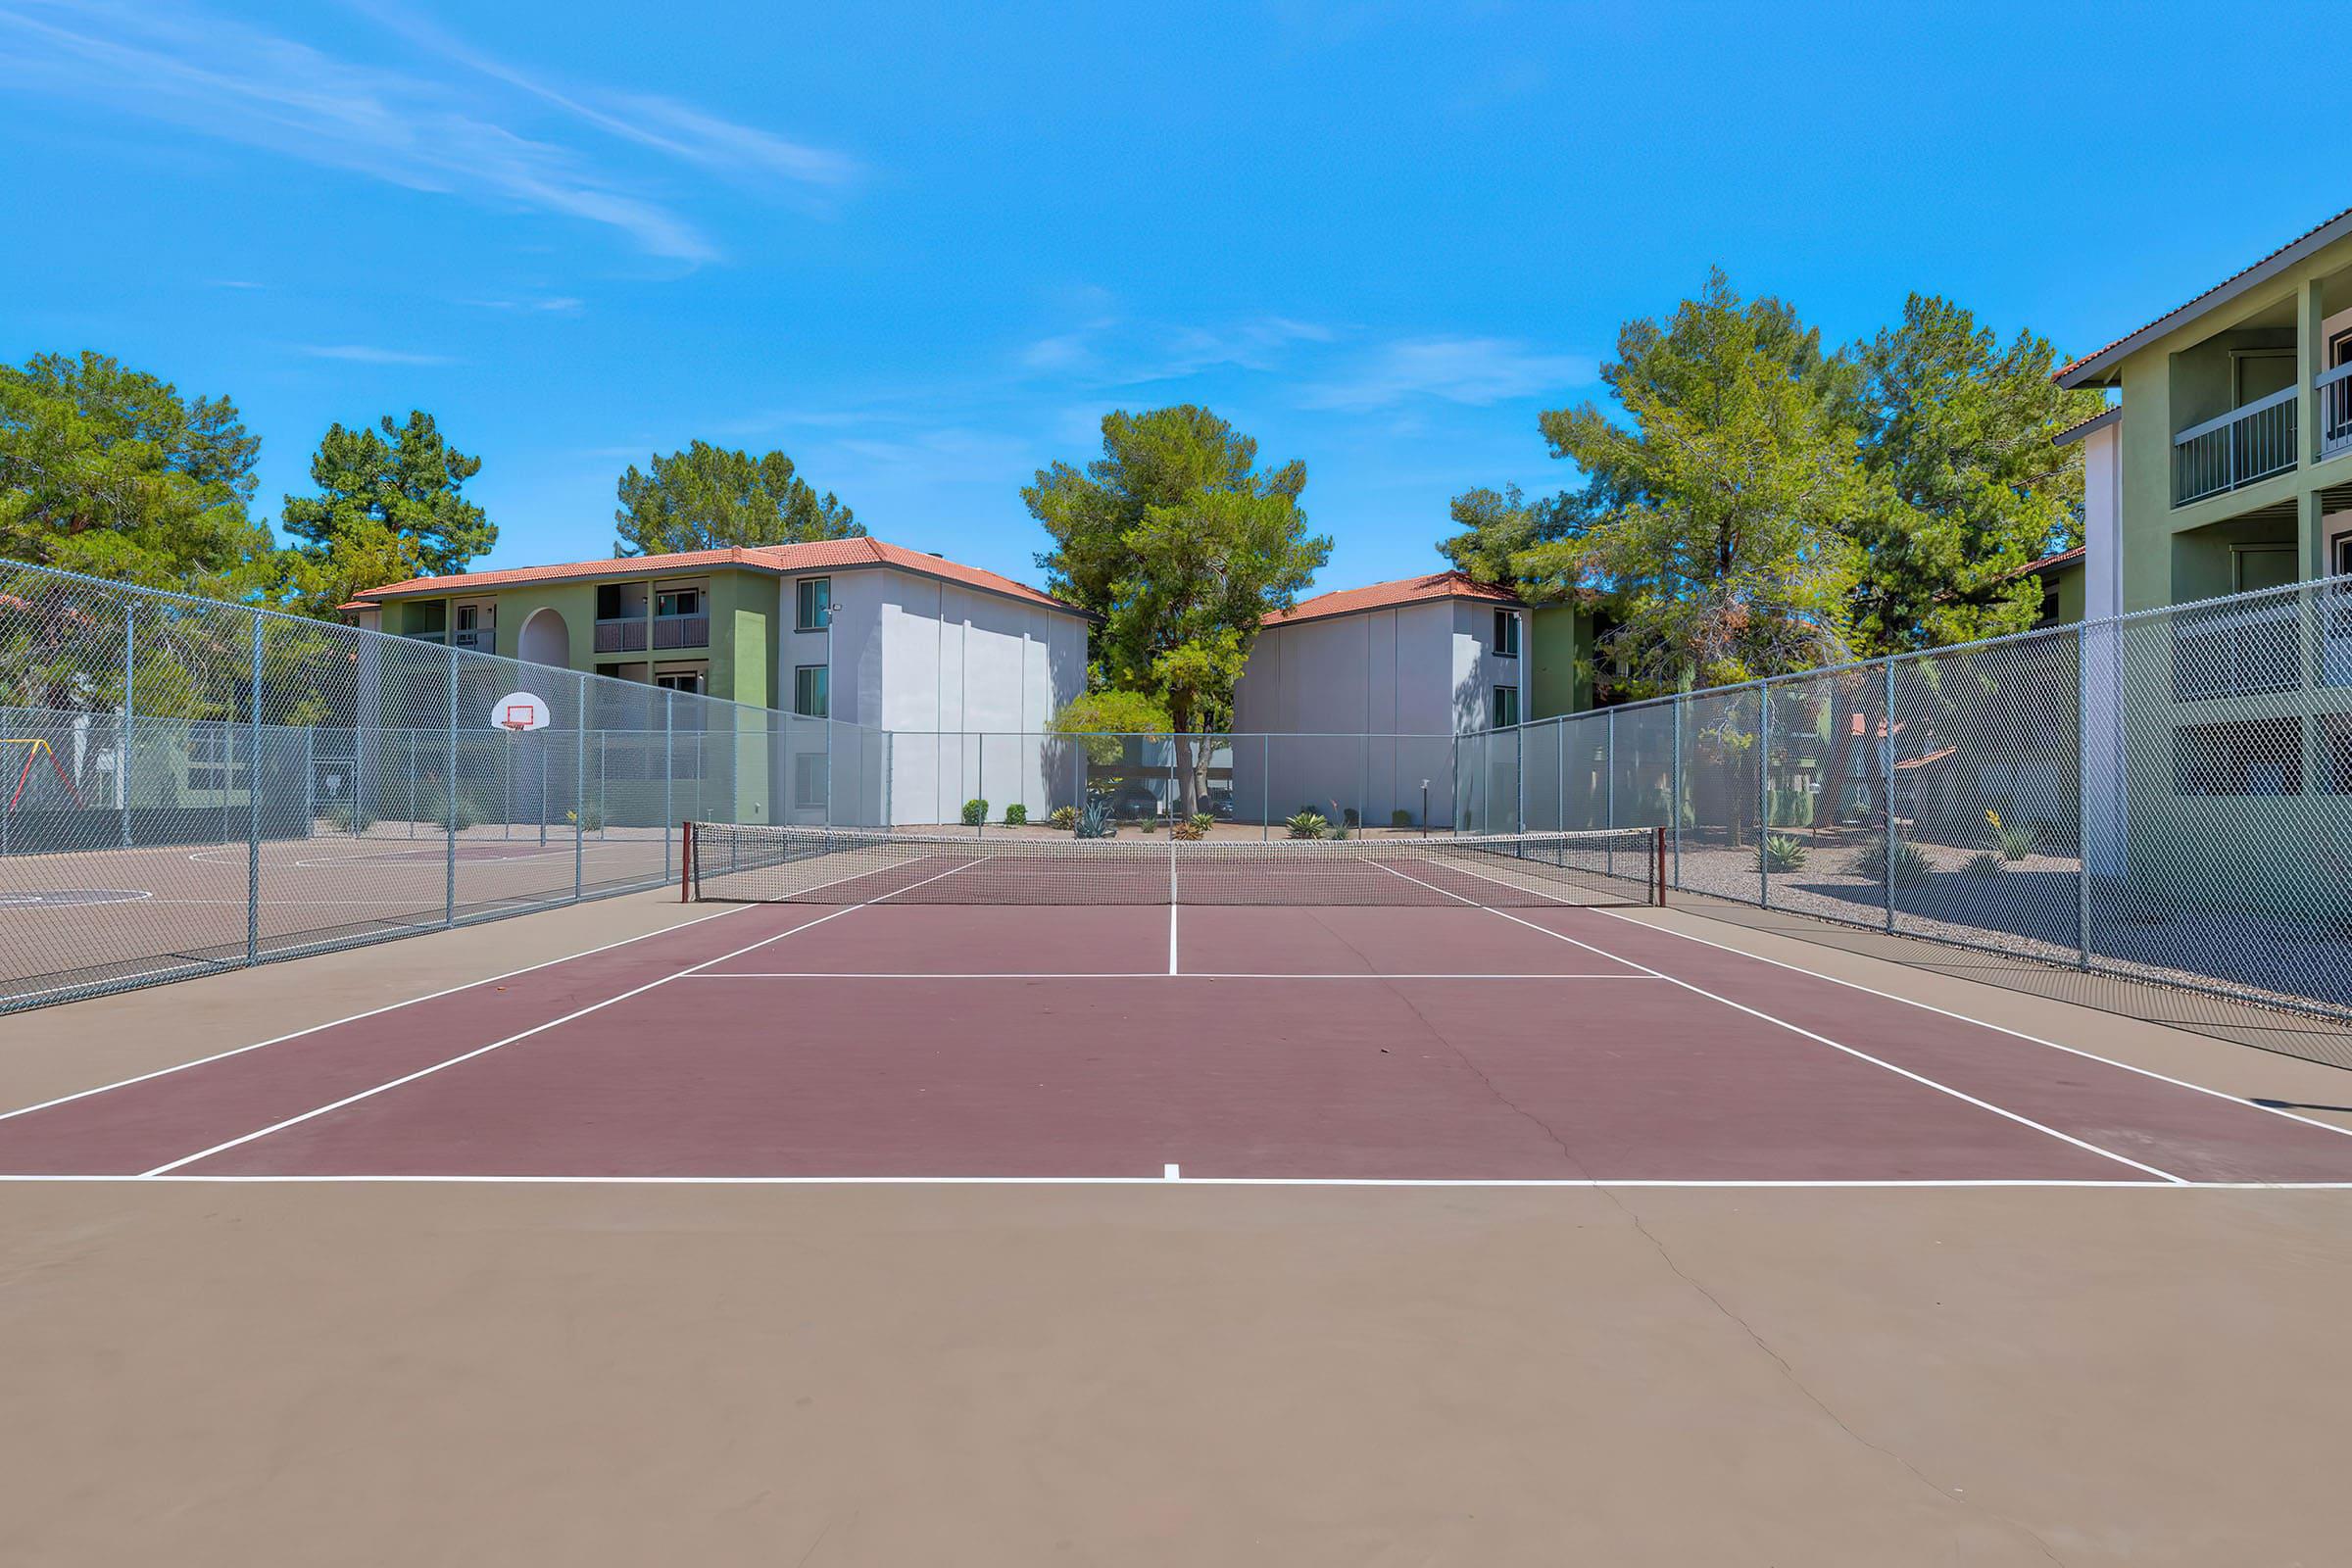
(545, 640)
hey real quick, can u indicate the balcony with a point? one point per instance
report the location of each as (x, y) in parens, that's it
(626, 636)
(482, 640)
(682, 631)
(2249, 443)
(2335, 389)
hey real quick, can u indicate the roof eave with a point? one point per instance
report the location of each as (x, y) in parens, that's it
(377, 597)
(2095, 371)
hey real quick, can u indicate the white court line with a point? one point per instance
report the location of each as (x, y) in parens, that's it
(334, 1023)
(1736, 1184)
(1981, 1023)
(1133, 974)
(1798, 1029)
(540, 1028)
(1172, 968)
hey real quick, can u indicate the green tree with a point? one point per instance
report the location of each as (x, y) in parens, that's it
(1101, 711)
(1713, 527)
(1497, 527)
(713, 498)
(1966, 487)
(391, 505)
(110, 471)
(1183, 546)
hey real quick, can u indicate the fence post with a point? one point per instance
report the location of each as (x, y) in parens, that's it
(253, 804)
(2082, 795)
(669, 768)
(1519, 779)
(1674, 806)
(1763, 793)
(1266, 791)
(310, 782)
(449, 903)
(1609, 790)
(1559, 774)
(979, 787)
(1886, 789)
(579, 793)
(130, 624)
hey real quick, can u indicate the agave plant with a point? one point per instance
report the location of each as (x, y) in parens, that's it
(1784, 852)
(1307, 825)
(1094, 822)
(2014, 842)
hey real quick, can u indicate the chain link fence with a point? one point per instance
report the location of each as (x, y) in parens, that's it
(187, 784)
(2162, 797)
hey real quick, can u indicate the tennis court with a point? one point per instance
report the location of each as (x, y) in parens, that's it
(870, 1007)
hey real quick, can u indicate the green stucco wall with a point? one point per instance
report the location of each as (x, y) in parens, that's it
(1560, 676)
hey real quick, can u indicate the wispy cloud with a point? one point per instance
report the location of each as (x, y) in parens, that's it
(231, 282)
(240, 83)
(1476, 370)
(1110, 352)
(364, 354)
(553, 305)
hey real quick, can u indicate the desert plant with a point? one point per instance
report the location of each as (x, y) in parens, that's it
(1307, 825)
(1093, 822)
(2014, 842)
(1204, 820)
(1984, 864)
(1016, 816)
(1784, 852)
(1400, 818)
(589, 818)
(975, 813)
(1191, 827)
(1150, 824)
(1064, 817)
(1912, 868)
(347, 816)
(1347, 817)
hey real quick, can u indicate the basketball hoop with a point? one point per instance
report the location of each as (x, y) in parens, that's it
(520, 711)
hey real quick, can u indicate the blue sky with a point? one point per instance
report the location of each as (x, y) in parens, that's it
(923, 249)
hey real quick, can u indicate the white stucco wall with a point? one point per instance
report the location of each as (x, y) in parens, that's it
(1409, 679)
(940, 665)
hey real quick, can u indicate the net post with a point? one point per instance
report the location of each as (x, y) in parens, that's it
(1657, 892)
(685, 861)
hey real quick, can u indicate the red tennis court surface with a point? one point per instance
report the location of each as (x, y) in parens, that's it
(883, 1042)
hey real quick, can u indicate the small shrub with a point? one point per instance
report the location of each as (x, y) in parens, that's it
(1984, 864)
(975, 813)
(2014, 842)
(1348, 818)
(1064, 817)
(1016, 816)
(1784, 852)
(1150, 824)
(1307, 825)
(1912, 868)
(1400, 818)
(589, 819)
(1191, 827)
(344, 817)
(1094, 822)
(1204, 820)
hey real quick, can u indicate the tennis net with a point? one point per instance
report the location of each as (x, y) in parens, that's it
(765, 863)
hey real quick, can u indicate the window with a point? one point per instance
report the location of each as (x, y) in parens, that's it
(609, 604)
(811, 692)
(815, 604)
(1506, 707)
(468, 618)
(1506, 634)
(2343, 555)
(217, 758)
(680, 680)
(678, 602)
(2246, 757)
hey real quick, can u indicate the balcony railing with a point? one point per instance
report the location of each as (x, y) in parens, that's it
(481, 639)
(2335, 389)
(682, 631)
(2248, 443)
(620, 636)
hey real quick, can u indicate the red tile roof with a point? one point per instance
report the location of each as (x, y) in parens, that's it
(2064, 557)
(814, 554)
(1390, 595)
(2243, 276)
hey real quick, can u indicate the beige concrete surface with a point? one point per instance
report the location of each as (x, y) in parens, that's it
(402, 1374)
